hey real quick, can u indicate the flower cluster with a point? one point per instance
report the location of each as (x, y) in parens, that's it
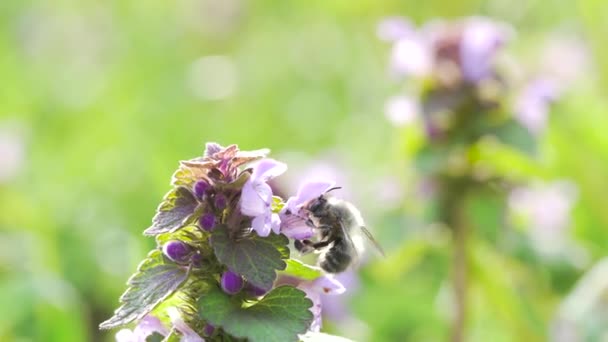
(222, 236)
(455, 66)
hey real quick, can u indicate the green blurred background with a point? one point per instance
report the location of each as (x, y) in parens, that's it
(100, 99)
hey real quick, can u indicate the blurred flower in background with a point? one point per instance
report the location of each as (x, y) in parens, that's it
(545, 210)
(12, 150)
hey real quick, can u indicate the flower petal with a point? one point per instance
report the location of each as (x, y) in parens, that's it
(328, 285)
(268, 169)
(212, 148)
(295, 227)
(306, 192)
(125, 335)
(260, 226)
(252, 204)
(315, 297)
(481, 39)
(188, 335)
(275, 223)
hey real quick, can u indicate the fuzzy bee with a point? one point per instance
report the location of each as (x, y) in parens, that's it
(340, 227)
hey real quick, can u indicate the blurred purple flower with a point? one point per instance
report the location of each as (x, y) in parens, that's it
(470, 45)
(336, 307)
(532, 105)
(293, 222)
(545, 210)
(188, 335)
(146, 327)
(401, 110)
(481, 39)
(256, 198)
(412, 56)
(394, 28)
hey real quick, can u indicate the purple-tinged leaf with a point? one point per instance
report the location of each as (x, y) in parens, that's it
(189, 172)
(173, 212)
(280, 316)
(151, 284)
(255, 258)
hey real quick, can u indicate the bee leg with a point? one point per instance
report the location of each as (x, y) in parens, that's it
(321, 244)
(304, 246)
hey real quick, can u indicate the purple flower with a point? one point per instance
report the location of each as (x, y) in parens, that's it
(256, 197)
(293, 223)
(335, 307)
(146, 327)
(188, 335)
(481, 39)
(177, 251)
(231, 282)
(532, 105)
(470, 46)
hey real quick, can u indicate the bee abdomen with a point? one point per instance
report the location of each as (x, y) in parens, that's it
(336, 259)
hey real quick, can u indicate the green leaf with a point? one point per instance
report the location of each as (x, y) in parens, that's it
(177, 206)
(296, 268)
(280, 316)
(154, 281)
(255, 258)
(512, 133)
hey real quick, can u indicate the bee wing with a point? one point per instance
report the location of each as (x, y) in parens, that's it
(348, 240)
(371, 239)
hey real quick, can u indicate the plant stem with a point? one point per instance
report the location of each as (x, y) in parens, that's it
(453, 213)
(460, 279)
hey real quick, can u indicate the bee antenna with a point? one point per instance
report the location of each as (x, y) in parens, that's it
(334, 188)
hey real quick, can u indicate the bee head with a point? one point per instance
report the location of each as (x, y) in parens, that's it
(316, 205)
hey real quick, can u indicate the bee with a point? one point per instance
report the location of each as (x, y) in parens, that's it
(340, 226)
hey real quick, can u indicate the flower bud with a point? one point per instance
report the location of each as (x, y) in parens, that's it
(177, 251)
(207, 221)
(220, 202)
(231, 282)
(208, 330)
(254, 290)
(200, 188)
(197, 260)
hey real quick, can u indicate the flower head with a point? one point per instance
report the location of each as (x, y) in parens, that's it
(256, 198)
(449, 52)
